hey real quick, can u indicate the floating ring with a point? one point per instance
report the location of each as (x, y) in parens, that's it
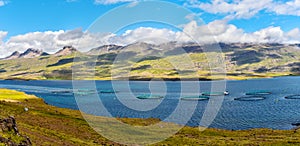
(250, 98)
(297, 96)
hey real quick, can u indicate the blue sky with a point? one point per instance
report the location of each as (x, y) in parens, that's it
(277, 20)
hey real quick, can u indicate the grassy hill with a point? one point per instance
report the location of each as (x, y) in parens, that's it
(241, 61)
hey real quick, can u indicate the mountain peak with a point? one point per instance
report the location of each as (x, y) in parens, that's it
(14, 55)
(31, 53)
(67, 50)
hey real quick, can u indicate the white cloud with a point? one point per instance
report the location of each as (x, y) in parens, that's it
(2, 3)
(293, 35)
(108, 2)
(287, 8)
(221, 31)
(247, 8)
(216, 31)
(52, 41)
(145, 34)
(270, 34)
(236, 8)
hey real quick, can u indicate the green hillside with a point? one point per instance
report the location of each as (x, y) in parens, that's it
(243, 62)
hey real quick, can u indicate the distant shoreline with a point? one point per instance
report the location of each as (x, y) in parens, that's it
(167, 79)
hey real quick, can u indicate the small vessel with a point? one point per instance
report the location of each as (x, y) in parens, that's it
(226, 93)
(149, 96)
(201, 97)
(215, 93)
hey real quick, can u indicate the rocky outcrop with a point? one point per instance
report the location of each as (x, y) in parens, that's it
(67, 50)
(9, 125)
(104, 49)
(14, 55)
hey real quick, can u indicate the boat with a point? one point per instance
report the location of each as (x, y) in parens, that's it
(215, 93)
(226, 93)
(201, 97)
(149, 96)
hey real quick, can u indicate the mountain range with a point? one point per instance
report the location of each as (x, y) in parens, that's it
(144, 61)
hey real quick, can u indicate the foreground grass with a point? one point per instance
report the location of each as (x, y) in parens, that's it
(14, 96)
(49, 125)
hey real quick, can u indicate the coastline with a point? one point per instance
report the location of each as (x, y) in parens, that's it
(225, 77)
(46, 124)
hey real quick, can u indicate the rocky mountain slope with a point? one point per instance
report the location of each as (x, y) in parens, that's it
(67, 50)
(29, 53)
(145, 61)
(14, 55)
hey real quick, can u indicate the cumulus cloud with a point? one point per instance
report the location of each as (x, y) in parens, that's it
(247, 8)
(108, 2)
(215, 31)
(145, 34)
(221, 31)
(52, 41)
(287, 8)
(293, 36)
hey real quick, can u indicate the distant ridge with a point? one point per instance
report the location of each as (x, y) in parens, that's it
(32, 53)
(104, 49)
(29, 53)
(168, 48)
(242, 60)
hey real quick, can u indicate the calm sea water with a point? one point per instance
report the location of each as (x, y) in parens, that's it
(274, 111)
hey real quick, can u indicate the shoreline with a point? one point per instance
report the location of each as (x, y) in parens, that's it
(229, 78)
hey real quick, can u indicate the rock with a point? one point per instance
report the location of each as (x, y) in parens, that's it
(296, 124)
(9, 125)
(67, 50)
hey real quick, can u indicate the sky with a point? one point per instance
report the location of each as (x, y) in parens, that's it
(51, 24)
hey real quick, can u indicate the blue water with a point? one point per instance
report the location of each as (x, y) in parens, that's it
(274, 112)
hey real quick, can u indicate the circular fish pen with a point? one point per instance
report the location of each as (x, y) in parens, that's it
(259, 92)
(297, 96)
(149, 96)
(195, 98)
(250, 98)
(108, 91)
